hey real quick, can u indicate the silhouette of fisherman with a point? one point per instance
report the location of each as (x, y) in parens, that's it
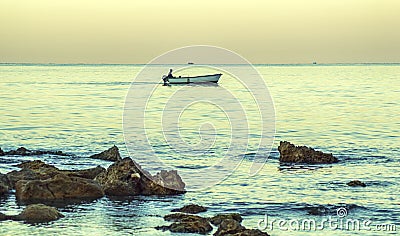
(170, 74)
(166, 78)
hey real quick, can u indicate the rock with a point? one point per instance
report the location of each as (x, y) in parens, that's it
(356, 183)
(228, 227)
(39, 213)
(15, 176)
(191, 208)
(201, 227)
(233, 228)
(126, 177)
(302, 154)
(317, 210)
(59, 187)
(111, 154)
(35, 165)
(26, 152)
(3, 217)
(38, 170)
(187, 224)
(1, 152)
(90, 173)
(5, 185)
(122, 178)
(251, 232)
(163, 183)
(217, 219)
(41, 169)
(20, 151)
(179, 217)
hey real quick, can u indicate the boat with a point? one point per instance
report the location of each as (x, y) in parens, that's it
(195, 79)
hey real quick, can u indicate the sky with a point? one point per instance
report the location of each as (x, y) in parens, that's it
(262, 31)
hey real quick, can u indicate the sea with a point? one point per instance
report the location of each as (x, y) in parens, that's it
(349, 110)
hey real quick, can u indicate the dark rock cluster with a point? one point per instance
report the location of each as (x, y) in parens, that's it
(26, 152)
(38, 182)
(227, 224)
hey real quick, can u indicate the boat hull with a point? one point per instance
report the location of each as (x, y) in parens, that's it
(195, 79)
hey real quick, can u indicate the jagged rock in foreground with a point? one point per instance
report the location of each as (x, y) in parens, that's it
(122, 178)
(38, 170)
(26, 152)
(4, 184)
(185, 223)
(35, 213)
(58, 187)
(356, 183)
(111, 154)
(302, 154)
(191, 208)
(39, 213)
(126, 177)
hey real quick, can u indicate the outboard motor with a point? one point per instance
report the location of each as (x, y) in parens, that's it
(166, 80)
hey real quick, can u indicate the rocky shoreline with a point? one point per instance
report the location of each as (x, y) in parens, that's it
(38, 183)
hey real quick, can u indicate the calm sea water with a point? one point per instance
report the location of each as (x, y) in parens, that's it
(348, 110)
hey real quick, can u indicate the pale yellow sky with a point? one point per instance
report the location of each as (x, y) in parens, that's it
(263, 31)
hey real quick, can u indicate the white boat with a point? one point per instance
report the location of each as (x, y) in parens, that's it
(195, 79)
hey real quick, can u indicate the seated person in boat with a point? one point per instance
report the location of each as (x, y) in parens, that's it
(170, 74)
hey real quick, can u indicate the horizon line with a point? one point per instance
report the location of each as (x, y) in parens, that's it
(297, 63)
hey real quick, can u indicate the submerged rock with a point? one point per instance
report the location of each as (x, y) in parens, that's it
(302, 154)
(39, 213)
(26, 152)
(191, 208)
(59, 187)
(20, 151)
(111, 154)
(356, 183)
(217, 219)
(126, 177)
